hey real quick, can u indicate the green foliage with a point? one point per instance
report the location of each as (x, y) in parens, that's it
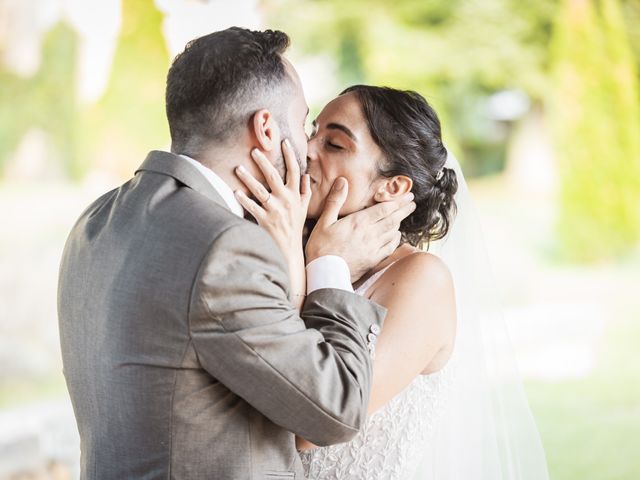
(45, 101)
(456, 53)
(451, 51)
(631, 15)
(597, 123)
(114, 134)
(130, 118)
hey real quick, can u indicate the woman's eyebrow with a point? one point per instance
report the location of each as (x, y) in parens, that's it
(337, 126)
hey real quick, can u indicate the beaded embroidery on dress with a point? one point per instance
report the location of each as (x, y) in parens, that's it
(393, 439)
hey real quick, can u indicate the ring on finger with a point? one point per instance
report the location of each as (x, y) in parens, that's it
(267, 200)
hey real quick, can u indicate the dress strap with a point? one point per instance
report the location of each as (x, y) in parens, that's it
(362, 289)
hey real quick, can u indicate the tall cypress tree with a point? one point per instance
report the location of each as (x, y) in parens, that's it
(595, 108)
(625, 110)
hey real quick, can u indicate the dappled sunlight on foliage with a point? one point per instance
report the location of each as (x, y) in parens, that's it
(596, 110)
(45, 101)
(540, 102)
(573, 59)
(130, 120)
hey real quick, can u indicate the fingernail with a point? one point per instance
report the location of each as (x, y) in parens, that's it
(411, 196)
(238, 193)
(287, 143)
(241, 169)
(339, 184)
(255, 152)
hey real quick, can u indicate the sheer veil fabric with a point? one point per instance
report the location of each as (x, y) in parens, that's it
(487, 431)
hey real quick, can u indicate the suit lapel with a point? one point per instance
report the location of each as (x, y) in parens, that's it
(174, 166)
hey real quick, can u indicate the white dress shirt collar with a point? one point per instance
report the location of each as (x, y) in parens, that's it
(219, 185)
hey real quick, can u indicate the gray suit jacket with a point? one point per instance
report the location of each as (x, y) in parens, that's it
(182, 352)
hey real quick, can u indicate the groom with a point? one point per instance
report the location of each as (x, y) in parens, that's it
(182, 352)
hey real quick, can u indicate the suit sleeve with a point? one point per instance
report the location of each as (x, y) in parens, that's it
(248, 336)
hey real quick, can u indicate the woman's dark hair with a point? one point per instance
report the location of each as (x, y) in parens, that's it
(408, 132)
(219, 81)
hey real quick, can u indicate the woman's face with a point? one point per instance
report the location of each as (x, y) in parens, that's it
(341, 146)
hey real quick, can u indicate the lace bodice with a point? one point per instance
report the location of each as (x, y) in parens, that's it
(393, 439)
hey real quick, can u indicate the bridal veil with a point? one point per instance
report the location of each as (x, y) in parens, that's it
(486, 431)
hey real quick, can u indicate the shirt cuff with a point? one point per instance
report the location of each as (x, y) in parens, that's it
(329, 271)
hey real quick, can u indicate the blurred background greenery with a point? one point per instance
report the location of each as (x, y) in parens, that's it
(539, 100)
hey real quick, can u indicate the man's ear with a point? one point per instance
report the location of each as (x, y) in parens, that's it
(390, 188)
(265, 130)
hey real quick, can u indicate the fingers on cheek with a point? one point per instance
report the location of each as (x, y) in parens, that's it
(245, 201)
(247, 206)
(274, 177)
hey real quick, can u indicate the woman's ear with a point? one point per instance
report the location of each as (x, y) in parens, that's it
(392, 187)
(265, 130)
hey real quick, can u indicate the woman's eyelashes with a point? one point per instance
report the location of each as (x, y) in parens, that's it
(333, 146)
(328, 143)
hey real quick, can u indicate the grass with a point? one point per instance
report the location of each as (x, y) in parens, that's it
(17, 392)
(591, 427)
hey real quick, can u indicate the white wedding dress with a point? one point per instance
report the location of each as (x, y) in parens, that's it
(394, 438)
(471, 420)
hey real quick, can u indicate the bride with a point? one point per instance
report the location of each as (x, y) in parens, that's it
(446, 401)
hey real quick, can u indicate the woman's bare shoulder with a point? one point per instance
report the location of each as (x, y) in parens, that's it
(419, 294)
(419, 268)
(419, 278)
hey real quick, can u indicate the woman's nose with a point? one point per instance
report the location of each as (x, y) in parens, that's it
(312, 153)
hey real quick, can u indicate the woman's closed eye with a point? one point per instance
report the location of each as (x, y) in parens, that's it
(333, 145)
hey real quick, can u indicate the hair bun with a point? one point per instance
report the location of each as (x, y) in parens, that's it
(448, 181)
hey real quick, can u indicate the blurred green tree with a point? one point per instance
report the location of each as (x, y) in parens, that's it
(115, 133)
(596, 114)
(454, 52)
(129, 119)
(574, 57)
(631, 15)
(45, 101)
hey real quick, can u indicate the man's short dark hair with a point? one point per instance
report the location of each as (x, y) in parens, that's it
(219, 81)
